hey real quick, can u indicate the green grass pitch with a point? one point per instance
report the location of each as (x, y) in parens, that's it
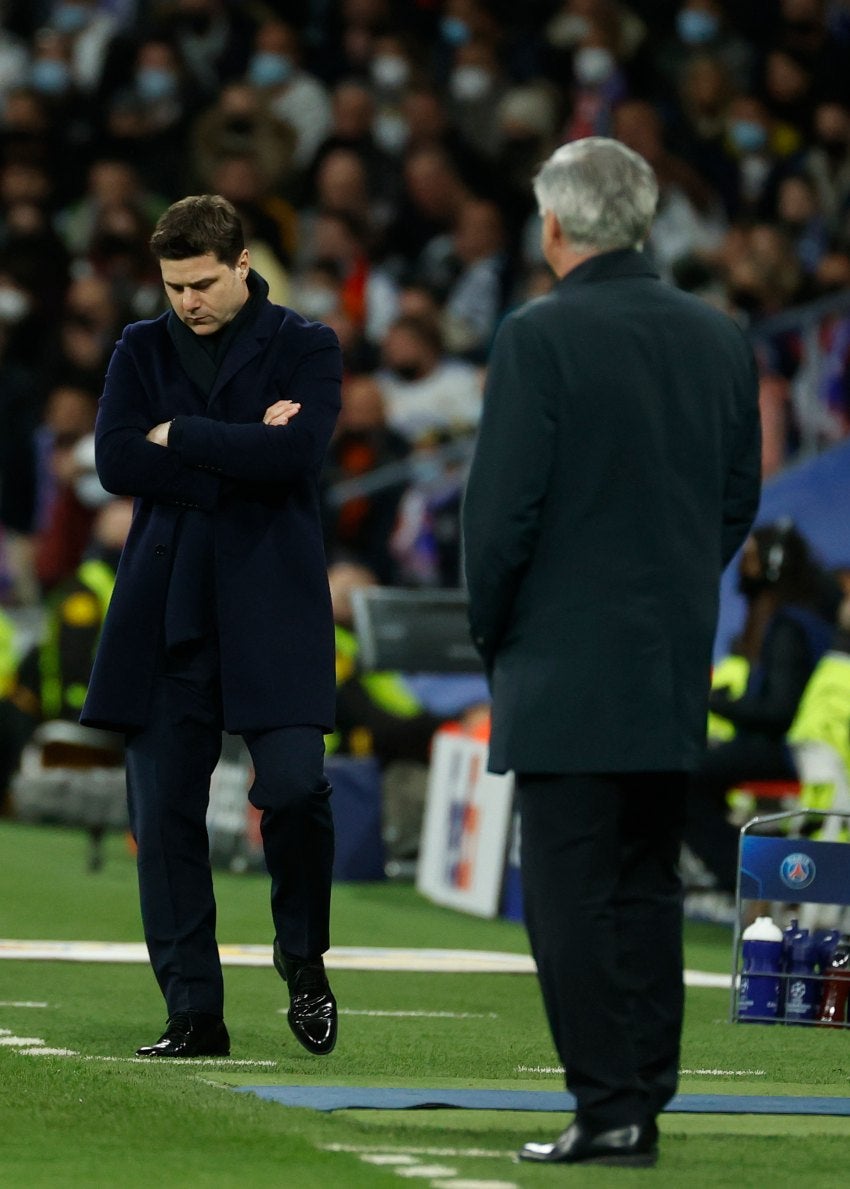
(100, 1120)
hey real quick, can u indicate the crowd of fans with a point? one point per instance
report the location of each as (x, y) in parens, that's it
(380, 153)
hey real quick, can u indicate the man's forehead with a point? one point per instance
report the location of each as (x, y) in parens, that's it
(192, 270)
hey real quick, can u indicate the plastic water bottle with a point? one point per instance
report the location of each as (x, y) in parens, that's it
(836, 986)
(802, 988)
(761, 968)
(826, 941)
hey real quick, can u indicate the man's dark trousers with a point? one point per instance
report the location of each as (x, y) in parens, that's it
(603, 908)
(169, 764)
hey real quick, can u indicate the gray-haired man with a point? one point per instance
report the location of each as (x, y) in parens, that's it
(616, 473)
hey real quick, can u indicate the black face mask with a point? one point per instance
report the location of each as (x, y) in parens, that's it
(195, 22)
(750, 585)
(408, 371)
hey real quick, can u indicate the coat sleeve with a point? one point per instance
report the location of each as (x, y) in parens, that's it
(127, 463)
(743, 478)
(508, 478)
(271, 453)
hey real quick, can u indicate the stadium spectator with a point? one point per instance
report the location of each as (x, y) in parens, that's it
(469, 270)
(791, 607)
(290, 92)
(52, 678)
(360, 528)
(239, 124)
(425, 391)
(148, 116)
(65, 516)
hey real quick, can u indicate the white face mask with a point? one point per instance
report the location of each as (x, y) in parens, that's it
(88, 490)
(314, 301)
(389, 71)
(14, 305)
(391, 131)
(469, 83)
(593, 64)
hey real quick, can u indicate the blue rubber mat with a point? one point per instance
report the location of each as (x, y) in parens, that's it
(339, 1098)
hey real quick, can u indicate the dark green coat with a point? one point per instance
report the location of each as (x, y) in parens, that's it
(616, 473)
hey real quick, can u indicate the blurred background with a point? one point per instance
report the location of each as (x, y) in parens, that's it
(380, 154)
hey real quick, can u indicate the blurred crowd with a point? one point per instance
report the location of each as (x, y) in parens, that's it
(380, 153)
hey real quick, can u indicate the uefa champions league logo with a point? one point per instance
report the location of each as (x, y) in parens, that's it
(797, 871)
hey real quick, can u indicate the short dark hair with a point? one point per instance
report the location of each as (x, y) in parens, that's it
(196, 225)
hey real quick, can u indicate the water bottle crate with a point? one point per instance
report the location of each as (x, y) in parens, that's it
(799, 975)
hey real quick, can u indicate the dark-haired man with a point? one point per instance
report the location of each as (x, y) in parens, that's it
(216, 417)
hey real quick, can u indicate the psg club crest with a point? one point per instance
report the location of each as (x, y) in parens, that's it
(797, 871)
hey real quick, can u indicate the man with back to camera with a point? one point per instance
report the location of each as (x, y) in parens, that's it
(216, 417)
(616, 473)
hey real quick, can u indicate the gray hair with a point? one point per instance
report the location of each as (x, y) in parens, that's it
(602, 193)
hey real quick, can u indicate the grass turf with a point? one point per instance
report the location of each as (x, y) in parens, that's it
(86, 1121)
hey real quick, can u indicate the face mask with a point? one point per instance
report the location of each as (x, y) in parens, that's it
(313, 301)
(88, 490)
(454, 31)
(469, 83)
(269, 70)
(696, 27)
(14, 305)
(390, 132)
(50, 76)
(154, 84)
(750, 585)
(196, 23)
(70, 18)
(593, 65)
(409, 372)
(567, 30)
(748, 136)
(389, 71)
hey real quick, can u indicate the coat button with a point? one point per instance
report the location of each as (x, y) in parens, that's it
(160, 550)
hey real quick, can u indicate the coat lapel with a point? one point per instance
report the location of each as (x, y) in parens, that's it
(243, 349)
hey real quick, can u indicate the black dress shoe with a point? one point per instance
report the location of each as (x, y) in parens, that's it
(312, 1007)
(190, 1034)
(635, 1146)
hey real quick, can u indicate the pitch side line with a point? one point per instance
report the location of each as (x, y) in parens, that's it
(421, 961)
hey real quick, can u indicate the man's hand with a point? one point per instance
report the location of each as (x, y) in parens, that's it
(159, 434)
(281, 412)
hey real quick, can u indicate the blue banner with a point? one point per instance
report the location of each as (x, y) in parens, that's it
(794, 869)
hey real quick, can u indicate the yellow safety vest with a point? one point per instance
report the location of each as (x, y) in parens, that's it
(8, 661)
(99, 579)
(732, 672)
(387, 690)
(823, 716)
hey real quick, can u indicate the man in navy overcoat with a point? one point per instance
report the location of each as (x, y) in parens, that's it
(216, 417)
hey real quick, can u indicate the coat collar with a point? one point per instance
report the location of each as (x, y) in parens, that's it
(609, 266)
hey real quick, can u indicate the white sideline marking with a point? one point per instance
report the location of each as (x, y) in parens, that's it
(5, 1031)
(42, 1051)
(21, 1003)
(389, 1158)
(426, 1170)
(539, 1069)
(195, 1061)
(18, 1041)
(425, 961)
(456, 1152)
(464, 1183)
(725, 1073)
(711, 1073)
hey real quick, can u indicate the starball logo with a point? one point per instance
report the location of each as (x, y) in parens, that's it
(797, 871)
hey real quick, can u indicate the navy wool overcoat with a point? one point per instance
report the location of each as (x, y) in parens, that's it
(258, 483)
